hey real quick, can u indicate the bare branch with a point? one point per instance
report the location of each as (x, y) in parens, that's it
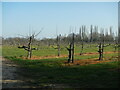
(38, 33)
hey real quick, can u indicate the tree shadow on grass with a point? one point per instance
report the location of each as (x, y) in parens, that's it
(49, 73)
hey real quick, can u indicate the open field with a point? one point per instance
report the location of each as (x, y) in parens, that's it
(46, 69)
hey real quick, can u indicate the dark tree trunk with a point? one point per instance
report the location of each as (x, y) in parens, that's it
(58, 50)
(58, 44)
(81, 49)
(30, 48)
(101, 48)
(100, 51)
(70, 54)
(73, 49)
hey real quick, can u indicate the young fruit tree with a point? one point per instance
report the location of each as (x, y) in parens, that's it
(101, 47)
(71, 50)
(29, 48)
(58, 44)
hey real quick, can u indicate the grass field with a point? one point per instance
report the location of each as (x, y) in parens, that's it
(54, 70)
(48, 51)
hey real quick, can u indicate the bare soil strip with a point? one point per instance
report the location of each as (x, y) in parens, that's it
(54, 56)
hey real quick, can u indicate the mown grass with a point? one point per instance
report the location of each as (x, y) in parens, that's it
(48, 51)
(52, 71)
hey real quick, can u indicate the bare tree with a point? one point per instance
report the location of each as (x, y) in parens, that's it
(29, 45)
(91, 32)
(69, 52)
(101, 46)
(82, 38)
(73, 48)
(58, 44)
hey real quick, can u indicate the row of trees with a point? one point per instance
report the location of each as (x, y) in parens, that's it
(93, 36)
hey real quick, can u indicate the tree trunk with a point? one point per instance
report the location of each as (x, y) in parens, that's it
(29, 54)
(69, 51)
(81, 49)
(29, 48)
(73, 49)
(58, 45)
(100, 51)
(58, 50)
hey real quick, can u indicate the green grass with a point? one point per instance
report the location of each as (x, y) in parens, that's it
(51, 71)
(45, 51)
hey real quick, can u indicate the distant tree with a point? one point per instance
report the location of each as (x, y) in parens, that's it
(111, 35)
(95, 34)
(91, 33)
(82, 40)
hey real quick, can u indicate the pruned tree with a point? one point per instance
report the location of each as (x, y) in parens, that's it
(58, 44)
(101, 46)
(29, 48)
(69, 52)
(73, 48)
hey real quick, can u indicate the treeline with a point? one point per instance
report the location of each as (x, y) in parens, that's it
(93, 35)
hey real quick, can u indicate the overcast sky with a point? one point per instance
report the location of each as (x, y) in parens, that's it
(56, 17)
